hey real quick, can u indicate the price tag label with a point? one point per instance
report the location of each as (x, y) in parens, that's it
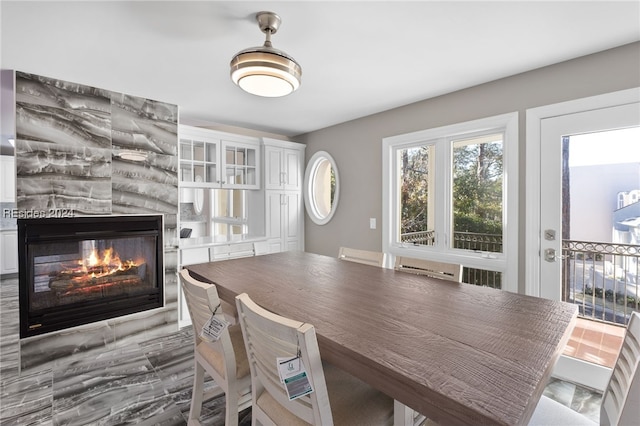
(213, 329)
(293, 375)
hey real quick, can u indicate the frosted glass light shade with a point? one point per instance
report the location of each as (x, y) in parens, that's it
(266, 72)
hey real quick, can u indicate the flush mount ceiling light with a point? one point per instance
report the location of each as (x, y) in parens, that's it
(263, 70)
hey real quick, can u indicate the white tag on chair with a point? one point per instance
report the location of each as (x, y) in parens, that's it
(213, 329)
(293, 375)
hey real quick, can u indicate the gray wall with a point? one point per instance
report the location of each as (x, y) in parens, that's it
(357, 145)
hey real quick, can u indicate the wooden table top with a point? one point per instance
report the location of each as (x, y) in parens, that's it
(458, 353)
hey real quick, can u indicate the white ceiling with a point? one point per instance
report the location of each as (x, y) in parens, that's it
(357, 57)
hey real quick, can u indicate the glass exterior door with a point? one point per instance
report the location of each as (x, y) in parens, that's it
(590, 188)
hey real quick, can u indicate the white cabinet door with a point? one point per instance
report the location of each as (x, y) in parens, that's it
(8, 184)
(212, 159)
(292, 162)
(241, 165)
(273, 167)
(284, 163)
(9, 255)
(273, 210)
(200, 162)
(292, 215)
(284, 220)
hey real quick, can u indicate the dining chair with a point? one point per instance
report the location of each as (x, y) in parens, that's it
(447, 271)
(225, 252)
(225, 360)
(260, 248)
(621, 399)
(361, 256)
(336, 397)
(231, 251)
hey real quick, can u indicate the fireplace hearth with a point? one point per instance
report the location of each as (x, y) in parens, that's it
(74, 271)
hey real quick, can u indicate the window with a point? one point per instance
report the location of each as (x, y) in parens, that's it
(477, 181)
(447, 198)
(417, 191)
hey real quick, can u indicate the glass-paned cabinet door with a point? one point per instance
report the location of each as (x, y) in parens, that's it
(199, 163)
(241, 165)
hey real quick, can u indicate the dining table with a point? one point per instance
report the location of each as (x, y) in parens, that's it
(457, 353)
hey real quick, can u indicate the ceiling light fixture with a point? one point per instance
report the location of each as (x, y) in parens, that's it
(263, 70)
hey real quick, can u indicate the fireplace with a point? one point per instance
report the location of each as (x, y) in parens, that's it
(78, 270)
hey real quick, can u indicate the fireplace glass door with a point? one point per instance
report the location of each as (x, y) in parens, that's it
(83, 272)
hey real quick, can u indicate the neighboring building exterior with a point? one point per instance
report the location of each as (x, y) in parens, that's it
(626, 226)
(602, 197)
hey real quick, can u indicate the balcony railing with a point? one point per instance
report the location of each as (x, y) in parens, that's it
(601, 278)
(424, 238)
(461, 240)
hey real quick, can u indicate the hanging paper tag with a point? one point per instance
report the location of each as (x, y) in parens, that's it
(294, 377)
(213, 329)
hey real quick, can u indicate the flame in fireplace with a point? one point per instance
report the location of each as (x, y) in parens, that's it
(93, 258)
(108, 263)
(98, 268)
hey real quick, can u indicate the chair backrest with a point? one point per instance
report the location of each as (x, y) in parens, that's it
(361, 256)
(447, 271)
(260, 248)
(621, 398)
(202, 300)
(231, 251)
(268, 336)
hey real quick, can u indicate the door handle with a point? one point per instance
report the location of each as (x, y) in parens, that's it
(550, 255)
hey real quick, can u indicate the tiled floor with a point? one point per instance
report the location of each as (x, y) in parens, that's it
(142, 383)
(595, 342)
(146, 383)
(580, 399)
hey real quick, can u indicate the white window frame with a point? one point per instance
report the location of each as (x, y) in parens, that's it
(506, 262)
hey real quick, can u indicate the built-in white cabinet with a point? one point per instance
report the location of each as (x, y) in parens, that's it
(8, 179)
(283, 165)
(284, 205)
(220, 184)
(214, 159)
(222, 202)
(8, 252)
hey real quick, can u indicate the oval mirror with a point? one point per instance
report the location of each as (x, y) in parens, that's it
(321, 187)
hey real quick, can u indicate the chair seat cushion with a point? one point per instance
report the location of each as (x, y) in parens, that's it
(353, 402)
(549, 413)
(216, 360)
(277, 413)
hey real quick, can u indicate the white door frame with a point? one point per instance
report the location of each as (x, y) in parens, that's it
(567, 368)
(534, 117)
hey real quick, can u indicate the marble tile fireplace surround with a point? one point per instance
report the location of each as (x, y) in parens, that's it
(70, 146)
